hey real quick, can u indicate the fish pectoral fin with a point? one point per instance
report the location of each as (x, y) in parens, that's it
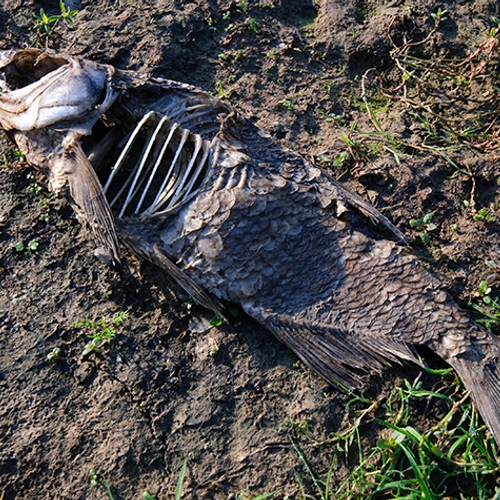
(186, 283)
(72, 175)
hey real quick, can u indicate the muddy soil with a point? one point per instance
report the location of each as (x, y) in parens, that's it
(169, 387)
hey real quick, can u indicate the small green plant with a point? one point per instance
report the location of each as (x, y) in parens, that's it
(488, 308)
(286, 104)
(338, 161)
(484, 289)
(349, 140)
(103, 331)
(424, 225)
(216, 321)
(54, 355)
(14, 159)
(484, 215)
(252, 24)
(439, 15)
(45, 25)
(45, 204)
(19, 155)
(34, 187)
(221, 91)
(96, 479)
(330, 117)
(211, 24)
(495, 32)
(242, 5)
(30, 248)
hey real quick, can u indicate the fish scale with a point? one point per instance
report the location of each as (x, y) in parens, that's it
(248, 221)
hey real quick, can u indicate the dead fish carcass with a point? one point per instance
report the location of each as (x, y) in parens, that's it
(201, 192)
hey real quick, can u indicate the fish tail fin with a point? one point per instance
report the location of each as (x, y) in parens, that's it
(482, 380)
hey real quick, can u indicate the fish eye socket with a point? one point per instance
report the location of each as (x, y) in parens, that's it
(29, 66)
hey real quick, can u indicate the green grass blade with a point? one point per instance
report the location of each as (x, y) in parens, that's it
(308, 467)
(301, 483)
(427, 492)
(182, 473)
(265, 495)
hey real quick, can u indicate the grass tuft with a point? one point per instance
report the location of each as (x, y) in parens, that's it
(455, 457)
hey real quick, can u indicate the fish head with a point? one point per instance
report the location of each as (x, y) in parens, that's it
(47, 104)
(42, 90)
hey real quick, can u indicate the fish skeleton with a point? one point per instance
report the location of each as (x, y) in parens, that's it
(201, 192)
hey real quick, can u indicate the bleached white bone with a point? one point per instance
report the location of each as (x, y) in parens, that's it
(175, 168)
(177, 178)
(156, 166)
(141, 164)
(127, 148)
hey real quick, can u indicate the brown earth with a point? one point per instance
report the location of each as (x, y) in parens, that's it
(167, 388)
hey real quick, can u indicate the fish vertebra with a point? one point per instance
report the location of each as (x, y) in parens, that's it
(204, 194)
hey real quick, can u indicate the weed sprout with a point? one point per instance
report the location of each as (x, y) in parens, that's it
(102, 331)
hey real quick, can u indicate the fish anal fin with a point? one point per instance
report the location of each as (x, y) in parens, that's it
(333, 353)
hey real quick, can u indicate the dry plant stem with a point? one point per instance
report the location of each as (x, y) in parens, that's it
(489, 45)
(343, 435)
(406, 45)
(429, 78)
(401, 57)
(472, 201)
(365, 100)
